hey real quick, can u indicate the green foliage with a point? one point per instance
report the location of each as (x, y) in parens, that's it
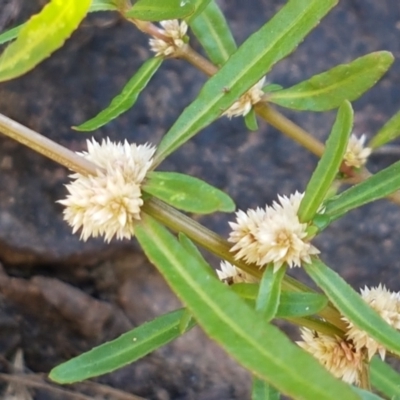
(385, 379)
(126, 99)
(328, 90)
(103, 5)
(263, 391)
(284, 31)
(42, 35)
(10, 34)
(269, 292)
(329, 164)
(290, 305)
(352, 306)
(376, 187)
(389, 132)
(224, 317)
(187, 193)
(155, 10)
(212, 31)
(124, 350)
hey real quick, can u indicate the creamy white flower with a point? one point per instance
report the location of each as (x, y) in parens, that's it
(174, 33)
(387, 305)
(108, 204)
(356, 154)
(338, 356)
(231, 274)
(274, 235)
(246, 101)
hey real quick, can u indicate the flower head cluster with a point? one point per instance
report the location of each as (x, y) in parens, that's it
(387, 305)
(174, 33)
(272, 235)
(338, 356)
(108, 203)
(231, 274)
(246, 101)
(356, 154)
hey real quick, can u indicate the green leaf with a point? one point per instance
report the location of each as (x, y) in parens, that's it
(389, 132)
(251, 120)
(329, 164)
(269, 292)
(200, 6)
(385, 379)
(272, 87)
(156, 10)
(41, 35)
(213, 33)
(103, 5)
(274, 41)
(187, 193)
(352, 306)
(380, 185)
(263, 391)
(11, 34)
(328, 90)
(365, 395)
(291, 304)
(257, 345)
(124, 350)
(126, 99)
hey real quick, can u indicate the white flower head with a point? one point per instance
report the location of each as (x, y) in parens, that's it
(108, 203)
(231, 274)
(338, 356)
(174, 33)
(356, 154)
(274, 235)
(246, 101)
(387, 305)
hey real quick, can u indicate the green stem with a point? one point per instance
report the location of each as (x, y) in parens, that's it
(46, 147)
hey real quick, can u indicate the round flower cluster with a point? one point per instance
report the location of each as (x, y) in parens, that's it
(387, 305)
(344, 357)
(272, 235)
(356, 154)
(338, 356)
(246, 101)
(108, 203)
(174, 33)
(231, 274)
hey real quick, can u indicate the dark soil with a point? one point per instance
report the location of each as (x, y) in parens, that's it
(60, 297)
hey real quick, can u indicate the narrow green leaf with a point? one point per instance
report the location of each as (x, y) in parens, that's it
(365, 395)
(126, 99)
(291, 304)
(263, 391)
(124, 350)
(329, 164)
(269, 292)
(376, 187)
(186, 321)
(212, 31)
(257, 345)
(41, 35)
(187, 193)
(328, 90)
(156, 10)
(385, 379)
(250, 120)
(103, 5)
(274, 41)
(352, 306)
(200, 6)
(389, 132)
(11, 34)
(272, 87)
